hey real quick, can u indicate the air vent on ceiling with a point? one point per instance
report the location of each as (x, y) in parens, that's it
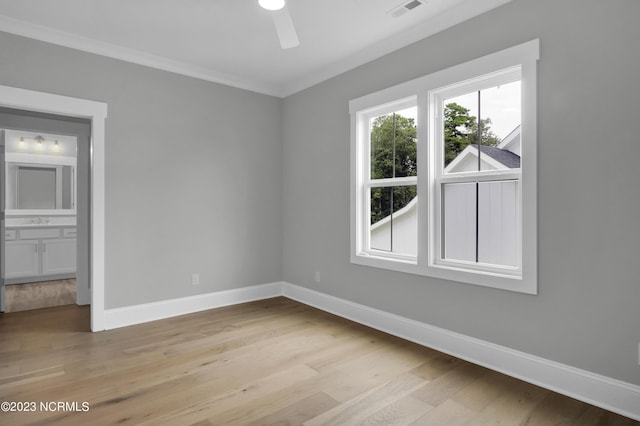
(405, 7)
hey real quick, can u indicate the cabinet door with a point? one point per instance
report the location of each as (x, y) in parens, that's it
(22, 258)
(58, 256)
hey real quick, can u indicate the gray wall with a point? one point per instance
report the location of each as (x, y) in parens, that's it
(586, 313)
(193, 172)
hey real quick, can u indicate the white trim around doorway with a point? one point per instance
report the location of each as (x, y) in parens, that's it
(29, 100)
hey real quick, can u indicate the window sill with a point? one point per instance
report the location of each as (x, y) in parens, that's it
(489, 279)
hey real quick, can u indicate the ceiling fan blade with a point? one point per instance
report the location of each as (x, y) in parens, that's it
(285, 29)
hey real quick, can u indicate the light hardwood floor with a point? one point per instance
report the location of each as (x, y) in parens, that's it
(272, 362)
(46, 294)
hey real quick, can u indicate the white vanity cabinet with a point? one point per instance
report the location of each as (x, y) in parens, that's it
(22, 259)
(38, 254)
(58, 256)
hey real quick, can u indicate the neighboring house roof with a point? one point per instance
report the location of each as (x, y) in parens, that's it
(504, 156)
(511, 142)
(508, 158)
(411, 205)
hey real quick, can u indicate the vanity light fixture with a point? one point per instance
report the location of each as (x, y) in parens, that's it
(271, 4)
(40, 143)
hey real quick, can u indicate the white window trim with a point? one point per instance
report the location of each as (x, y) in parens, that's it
(524, 56)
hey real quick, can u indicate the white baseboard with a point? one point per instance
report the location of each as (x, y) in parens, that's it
(601, 391)
(130, 315)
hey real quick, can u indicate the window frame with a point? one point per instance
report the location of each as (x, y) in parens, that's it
(368, 183)
(424, 91)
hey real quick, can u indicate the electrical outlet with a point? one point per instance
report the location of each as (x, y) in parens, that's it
(195, 279)
(317, 277)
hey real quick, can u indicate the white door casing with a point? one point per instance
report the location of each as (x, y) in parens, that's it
(96, 112)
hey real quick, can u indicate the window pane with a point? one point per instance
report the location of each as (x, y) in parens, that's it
(459, 221)
(394, 219)
(406, 163)
(497, 237)
(498, 130)
(393, 144)
(497, 223)
(381, 218)
(405, 220)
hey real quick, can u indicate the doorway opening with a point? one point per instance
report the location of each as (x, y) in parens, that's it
(46, 210)
(34, 102)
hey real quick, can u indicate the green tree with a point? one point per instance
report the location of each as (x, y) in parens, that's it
(487, 137)
(391, 132)
(457, 126)
(461, 130)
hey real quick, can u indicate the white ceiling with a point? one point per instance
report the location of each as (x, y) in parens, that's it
(234, 42)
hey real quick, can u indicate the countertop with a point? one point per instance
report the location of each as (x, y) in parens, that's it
(39, 225)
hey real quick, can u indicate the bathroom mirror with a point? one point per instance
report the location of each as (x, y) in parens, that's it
(40, 186)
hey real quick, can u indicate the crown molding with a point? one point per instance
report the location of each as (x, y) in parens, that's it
(85, 44)
(462, 12)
